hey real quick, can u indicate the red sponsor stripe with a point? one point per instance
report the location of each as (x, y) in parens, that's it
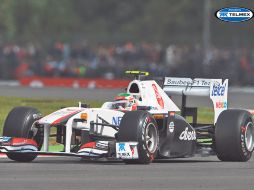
(158, 96)
(65, 117)
(88, 145)
(22, 141)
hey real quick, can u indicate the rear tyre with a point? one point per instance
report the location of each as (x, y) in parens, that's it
(234, 135)
(18, 124)
(140, 126)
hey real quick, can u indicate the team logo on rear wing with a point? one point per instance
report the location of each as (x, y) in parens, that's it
(215, 89)
(218, 89)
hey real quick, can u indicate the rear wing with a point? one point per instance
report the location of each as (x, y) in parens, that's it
(215, 89)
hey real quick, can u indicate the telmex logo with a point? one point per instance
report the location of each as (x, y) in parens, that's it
(234, 14)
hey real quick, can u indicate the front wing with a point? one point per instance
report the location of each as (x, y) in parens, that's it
(100, 149)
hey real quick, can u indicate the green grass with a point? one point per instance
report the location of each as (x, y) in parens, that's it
(56, 148)
(205, 115)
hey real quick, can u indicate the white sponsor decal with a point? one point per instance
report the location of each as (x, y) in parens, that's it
(127, 150)
(187, 135)
(171, 127)
(197, 82)
(5, 139)
(116, 120)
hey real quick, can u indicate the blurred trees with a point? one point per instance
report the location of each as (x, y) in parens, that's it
(164, 21)
(36, 20)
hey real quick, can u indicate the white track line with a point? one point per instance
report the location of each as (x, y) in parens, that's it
(2, 155)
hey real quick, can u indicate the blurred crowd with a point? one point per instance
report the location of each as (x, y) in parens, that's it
(110, 61)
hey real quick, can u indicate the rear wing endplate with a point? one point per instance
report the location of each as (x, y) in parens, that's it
(216, 89)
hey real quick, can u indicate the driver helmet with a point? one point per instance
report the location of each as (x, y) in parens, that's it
(125, 101)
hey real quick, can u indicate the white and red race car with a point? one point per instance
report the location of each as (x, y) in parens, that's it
(139, 126)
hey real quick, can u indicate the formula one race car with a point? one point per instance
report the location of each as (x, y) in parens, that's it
(139, 126)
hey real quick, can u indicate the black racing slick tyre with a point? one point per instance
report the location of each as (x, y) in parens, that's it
(234, 135)
(18, 124)
(141, 127)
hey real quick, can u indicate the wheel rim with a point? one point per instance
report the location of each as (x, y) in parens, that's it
(249, 136)
(151, 138)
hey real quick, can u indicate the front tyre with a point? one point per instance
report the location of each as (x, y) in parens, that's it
(19, 124)
(234, 135)
(140, 126)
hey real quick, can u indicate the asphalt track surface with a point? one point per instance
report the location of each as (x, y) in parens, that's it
(60, 173)
(180, 174)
